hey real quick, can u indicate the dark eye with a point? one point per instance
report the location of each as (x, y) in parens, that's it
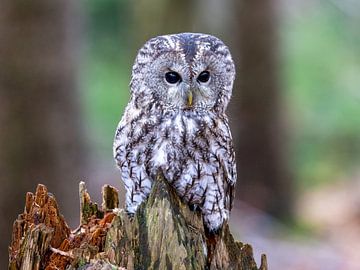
(204, 76)
(172, 77)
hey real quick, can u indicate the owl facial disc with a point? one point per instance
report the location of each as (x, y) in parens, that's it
(183, 71)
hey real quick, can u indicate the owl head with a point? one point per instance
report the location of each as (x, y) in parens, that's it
(185, 71)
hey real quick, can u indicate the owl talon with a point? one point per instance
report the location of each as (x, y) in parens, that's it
(194, 207)
(210, 233)
(130, 215)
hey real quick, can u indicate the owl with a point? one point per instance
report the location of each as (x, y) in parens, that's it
(175, 124)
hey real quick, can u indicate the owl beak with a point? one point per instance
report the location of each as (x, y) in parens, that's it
(190, 98)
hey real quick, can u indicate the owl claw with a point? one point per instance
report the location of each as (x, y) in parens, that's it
(212, 232)
(130, 214)
(194, 207)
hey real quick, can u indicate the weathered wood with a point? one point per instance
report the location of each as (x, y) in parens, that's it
(110, 198)
(163, 234)
(88, 209)
(40, 226)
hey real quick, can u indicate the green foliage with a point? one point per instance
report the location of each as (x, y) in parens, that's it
(106, 93)
(322, 82)
(321, 71)
(105, 70)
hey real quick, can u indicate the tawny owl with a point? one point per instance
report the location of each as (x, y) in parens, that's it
(175, 124)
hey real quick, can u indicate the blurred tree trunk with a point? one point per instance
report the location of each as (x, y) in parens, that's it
(41, 140)
(160, 17)
(263, 178)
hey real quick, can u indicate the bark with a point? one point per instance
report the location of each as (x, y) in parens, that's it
(163, 234)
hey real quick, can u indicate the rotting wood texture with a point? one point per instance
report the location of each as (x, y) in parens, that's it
(164, 234)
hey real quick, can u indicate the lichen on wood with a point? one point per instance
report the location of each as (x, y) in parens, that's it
(163, 234)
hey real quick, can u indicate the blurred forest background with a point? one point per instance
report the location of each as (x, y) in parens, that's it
(295, 114)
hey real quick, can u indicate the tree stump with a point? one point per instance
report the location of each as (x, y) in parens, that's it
(163, 234)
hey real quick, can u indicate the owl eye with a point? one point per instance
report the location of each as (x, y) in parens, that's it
(204, 76)
(172, 77)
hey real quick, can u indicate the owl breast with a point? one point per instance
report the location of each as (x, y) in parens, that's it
(192, 149)
(183, 154)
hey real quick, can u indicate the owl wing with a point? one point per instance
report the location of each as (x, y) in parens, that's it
(129, 152)
(227, 161)
(229, 178)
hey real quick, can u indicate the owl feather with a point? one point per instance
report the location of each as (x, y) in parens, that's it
(175, 124)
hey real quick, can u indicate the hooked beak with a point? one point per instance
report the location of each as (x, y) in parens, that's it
(190, 98)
